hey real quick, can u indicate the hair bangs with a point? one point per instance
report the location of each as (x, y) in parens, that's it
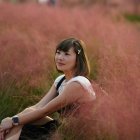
(64, 46)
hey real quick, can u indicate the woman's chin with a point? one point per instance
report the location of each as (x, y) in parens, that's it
(60, 69)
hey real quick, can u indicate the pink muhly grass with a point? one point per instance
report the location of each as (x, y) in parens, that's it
(29, 34)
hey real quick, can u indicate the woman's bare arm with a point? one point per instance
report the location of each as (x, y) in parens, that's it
(47, 98)
(71, 94)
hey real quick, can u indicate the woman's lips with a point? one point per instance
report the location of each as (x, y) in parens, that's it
(60, 64)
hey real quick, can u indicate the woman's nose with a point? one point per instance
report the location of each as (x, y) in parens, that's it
(60, 56)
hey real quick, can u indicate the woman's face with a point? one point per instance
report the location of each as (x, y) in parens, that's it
(65, 61)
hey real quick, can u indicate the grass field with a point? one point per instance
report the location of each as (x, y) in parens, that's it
(28, 36)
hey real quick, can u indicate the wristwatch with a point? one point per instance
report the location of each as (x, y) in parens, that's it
(15, 120)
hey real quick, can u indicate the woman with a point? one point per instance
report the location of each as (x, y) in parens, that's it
(67, 95)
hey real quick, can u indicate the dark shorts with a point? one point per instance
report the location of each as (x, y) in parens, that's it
(39, 132)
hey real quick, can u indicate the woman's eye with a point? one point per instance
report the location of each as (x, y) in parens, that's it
(67, 54)
(58, 52)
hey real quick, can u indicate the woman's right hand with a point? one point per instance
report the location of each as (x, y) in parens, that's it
(6, 123)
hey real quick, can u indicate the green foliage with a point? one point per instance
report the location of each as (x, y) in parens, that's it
(132, 17)
(10, 105)
(14, 98)
(94, 69)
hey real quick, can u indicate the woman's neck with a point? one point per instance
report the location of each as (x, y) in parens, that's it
(68, 75)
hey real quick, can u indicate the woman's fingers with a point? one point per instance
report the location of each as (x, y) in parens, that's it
(2, 135)
(7, 131)
(3, 132)
(0, 128)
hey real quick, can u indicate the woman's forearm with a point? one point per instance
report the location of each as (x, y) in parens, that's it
(31, 116)
(39, 113)
(26, 110)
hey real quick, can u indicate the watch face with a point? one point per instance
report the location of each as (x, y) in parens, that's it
(15, 120)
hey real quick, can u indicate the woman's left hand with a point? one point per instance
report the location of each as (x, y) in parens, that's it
(3, 133)
(6, 123)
